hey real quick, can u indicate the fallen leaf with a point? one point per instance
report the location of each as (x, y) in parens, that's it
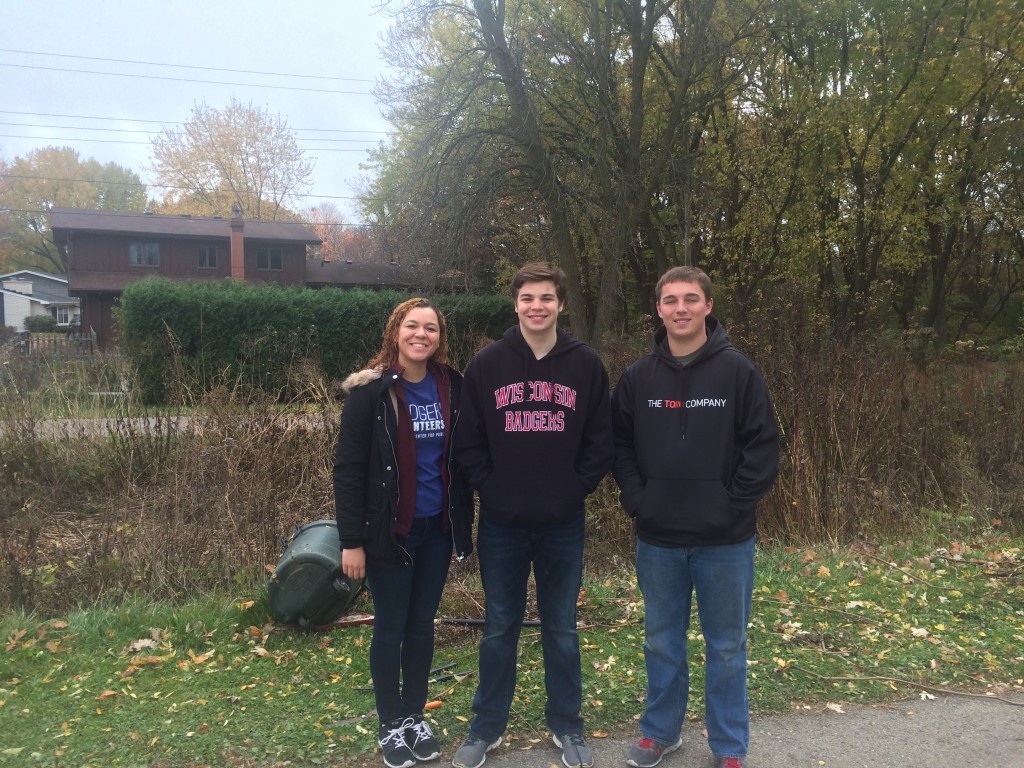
(836, 708)
(106, 695)
(15, 636)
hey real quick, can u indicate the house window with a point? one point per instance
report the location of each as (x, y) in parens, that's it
(207, 257)
(144, 254)
(63, 315)
(268, 258)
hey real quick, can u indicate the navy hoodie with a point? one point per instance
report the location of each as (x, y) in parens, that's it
(696, 447)
(535, 436)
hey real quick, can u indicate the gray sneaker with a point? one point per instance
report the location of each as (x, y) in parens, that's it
(473, 752)
(647, 753)
(575, 752)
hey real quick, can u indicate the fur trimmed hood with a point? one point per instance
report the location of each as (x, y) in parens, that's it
(361, 378)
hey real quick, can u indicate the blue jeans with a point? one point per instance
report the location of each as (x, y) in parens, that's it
(506, 553)
(723, 579)
(405, 600)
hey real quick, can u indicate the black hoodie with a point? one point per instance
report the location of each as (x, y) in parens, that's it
(535, 436)
(696, 447)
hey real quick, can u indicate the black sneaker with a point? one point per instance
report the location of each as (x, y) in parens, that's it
(420, 740)
(391, 737)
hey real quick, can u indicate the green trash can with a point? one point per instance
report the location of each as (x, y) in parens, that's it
(308, 587)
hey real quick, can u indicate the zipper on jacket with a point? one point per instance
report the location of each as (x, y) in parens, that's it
(451, 473)
(398, 485)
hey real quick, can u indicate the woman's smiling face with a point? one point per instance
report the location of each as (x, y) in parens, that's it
(418, 337)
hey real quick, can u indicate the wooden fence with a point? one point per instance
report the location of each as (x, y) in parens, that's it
(61, 344)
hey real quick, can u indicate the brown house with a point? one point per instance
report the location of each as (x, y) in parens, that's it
(106, 250)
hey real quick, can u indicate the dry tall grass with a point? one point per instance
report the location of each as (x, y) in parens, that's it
(170, 504)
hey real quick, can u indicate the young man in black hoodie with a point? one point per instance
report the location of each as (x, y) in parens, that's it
(534, 441)
(696, 447)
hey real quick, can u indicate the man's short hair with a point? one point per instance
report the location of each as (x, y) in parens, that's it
(538, 271)
(684, 275)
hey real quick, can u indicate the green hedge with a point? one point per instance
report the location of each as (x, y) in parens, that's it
(200, 335)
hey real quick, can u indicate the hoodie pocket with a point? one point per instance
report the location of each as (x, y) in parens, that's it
(690, 508)
(532, 493)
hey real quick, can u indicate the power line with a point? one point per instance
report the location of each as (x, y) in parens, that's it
(146, 143)
(186, 79)
(82, 212)
(164, 122)
(141, 184)
(148, 133)
(188, 66)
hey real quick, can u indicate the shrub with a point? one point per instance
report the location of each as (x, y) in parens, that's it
(41, 324)
(205, 335)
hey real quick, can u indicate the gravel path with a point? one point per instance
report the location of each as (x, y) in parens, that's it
(946, 732)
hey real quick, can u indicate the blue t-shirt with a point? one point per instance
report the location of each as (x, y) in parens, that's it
(428, 431)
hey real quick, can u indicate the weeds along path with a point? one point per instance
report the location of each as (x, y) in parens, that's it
(102, 427)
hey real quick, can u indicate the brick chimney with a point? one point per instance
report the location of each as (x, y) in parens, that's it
(237, 243)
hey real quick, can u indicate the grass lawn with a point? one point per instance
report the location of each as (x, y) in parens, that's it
(215, 683)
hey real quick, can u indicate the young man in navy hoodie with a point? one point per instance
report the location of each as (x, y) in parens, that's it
(534, 441)
(696, 447)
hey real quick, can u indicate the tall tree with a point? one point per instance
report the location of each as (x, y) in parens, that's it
(57, 177)
(237, 155)
(863, 153)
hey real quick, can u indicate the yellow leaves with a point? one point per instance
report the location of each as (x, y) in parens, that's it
(599, 733)
(57, 646)
(14, 638)
(246, 605)
(105, 695)
(823, 572)
(837, 708)
(201, 658)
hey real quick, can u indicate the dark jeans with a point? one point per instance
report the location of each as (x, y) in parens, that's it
(506, 554)
(405, 600)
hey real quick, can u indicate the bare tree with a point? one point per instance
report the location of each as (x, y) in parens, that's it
(237, 155)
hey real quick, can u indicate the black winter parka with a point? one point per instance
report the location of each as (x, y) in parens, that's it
(366, 469)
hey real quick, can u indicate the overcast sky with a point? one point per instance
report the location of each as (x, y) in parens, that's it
(320, 57)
